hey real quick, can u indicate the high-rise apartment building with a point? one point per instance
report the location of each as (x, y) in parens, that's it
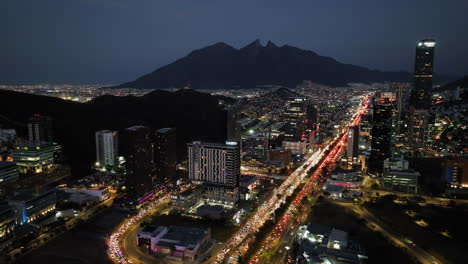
(40, 129)
(165, 153)
(217, 166)
(106, 148)
(137, 149)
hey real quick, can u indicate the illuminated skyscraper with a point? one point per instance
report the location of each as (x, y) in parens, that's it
(295, 116)
(381, 131)
(423, 68)
(418, 116)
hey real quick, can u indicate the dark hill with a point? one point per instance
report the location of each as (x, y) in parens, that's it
(195, 115)
(221, 66)
(462, 83)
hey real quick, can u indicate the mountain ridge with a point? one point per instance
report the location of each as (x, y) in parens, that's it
(221, 66)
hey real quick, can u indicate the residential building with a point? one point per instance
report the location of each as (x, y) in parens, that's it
(107, 146)
(165, 153)
(217, 166)
(137, 149)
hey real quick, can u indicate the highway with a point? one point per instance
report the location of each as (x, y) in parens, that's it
(122, 247)
(283, 226)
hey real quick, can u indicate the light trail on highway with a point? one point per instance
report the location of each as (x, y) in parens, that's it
(331, 158)
(264, 212)
(114, 250)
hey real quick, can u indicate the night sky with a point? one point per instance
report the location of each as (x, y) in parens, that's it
(111, 41)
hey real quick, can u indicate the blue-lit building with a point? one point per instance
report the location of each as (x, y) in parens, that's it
(31, 207)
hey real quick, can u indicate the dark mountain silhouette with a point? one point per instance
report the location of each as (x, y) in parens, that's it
(196, 116)
(462, 83)
(222, 66)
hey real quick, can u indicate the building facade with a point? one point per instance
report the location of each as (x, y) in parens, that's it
(137, 149)
(165, 153)
(420, 101)
(381, 132)
(217, 166)
(40, 129)
(35, 158)
(107, 146)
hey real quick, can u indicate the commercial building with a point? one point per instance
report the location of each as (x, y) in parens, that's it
(456, 172)
(381, 131)
(217, 166)
(323, 244)
(280, 155)
(40, 129)
(254, 147)
(296, 147)
(345, 178)
(401, 180)
(352, 145)
(8, 172)
(107, 146)
(7, 220)
(396, 163)
(34, 158)
(418, 117)
(187, 199)
(165, 153)
(176, 242)
(295, 117)
(30, 207)
(137, 149)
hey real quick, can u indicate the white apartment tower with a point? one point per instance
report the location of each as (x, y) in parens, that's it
(106, 148)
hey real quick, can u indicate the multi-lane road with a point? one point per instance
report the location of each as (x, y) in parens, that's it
(284, 225)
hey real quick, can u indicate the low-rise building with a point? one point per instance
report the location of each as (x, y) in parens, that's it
(323, 244)
(181, 243)
(185, 200)
(33, 206)
(296, 147)
(345, 178)
(35, 158)
(7, 220)
(8, 172)
(401, 180)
